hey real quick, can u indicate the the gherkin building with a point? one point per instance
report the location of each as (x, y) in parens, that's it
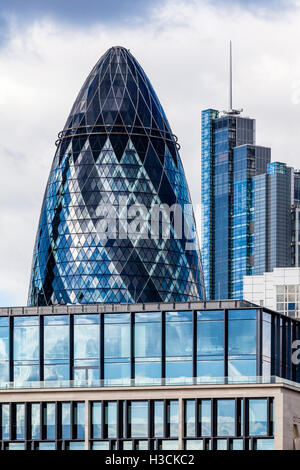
(116, 145)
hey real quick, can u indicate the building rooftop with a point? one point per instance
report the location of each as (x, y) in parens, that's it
(130, 307)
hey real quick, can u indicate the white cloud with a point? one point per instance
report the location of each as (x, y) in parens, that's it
(183, 48)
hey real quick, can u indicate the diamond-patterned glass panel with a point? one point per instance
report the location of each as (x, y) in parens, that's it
(117, 145)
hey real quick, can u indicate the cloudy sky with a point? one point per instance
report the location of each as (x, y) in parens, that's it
(48, 48)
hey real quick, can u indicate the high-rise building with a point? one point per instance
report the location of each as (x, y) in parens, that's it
(272, 219)
(172, 375)
(229, 160)
(116, 158)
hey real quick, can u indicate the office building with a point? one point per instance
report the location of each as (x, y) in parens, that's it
(278, 290)
(229, 161)
(116, 158)
(203, 375)
(84, 366)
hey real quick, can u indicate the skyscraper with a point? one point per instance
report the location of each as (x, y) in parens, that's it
(116, 146)
(229, 160)
(272, 219)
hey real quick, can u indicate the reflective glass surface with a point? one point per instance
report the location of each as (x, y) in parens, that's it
(4, 349)
(172, 417)
(86, 347)
(116, 143)
(179, 344)
(190, 418)
(111, 419)
(147, 345)
(205, 417)
(35, 420)
(26, 348)
(66, 420)
(56, 347)
(258, 417)
(96, 419)
(226, 417)
(79, 420)
(158, 418)
(210, 343)
(49, 420)
(138, 418)
(20, 421)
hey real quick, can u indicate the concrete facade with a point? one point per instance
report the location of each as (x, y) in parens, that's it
(286, 403)
(278, 290)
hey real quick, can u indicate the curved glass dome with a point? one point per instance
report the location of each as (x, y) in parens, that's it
(117, 145)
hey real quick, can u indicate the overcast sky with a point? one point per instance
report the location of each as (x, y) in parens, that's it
(48, 48)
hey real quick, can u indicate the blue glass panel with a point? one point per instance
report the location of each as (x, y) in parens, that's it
(179, 338)
(150, 370)
(190, 418)
(86, 319)
(205, 417)
(179, 370)
(66, 420)
(241, 337)
(46, 446)
(35, 420)
(96, 419)
(111, 419)
(138, 418)
(264, 444)
(210, 369)
(117, 372)
(5, 422)
(158, 418)
(79, 420)
(147, 340)
(212, 315)
(258, 417)
(172, 417)
(210, 338)
(20, 421)
(243, 368)
(226, 417)
(49, 420)
(86, 341)
(116, 340)
(246, 314)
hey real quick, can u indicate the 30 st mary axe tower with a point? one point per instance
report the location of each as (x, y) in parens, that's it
(116, 143)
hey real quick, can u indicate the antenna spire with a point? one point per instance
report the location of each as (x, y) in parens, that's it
(231, 110)
(230, 76)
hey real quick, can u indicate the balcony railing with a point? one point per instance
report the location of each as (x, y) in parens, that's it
(147, 382)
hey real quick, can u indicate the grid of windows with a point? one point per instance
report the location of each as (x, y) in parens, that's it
(208, 424)
(42, 426)
(117, 347)
(115, 154)
(176, 346)
(228, 424)
(288, 299)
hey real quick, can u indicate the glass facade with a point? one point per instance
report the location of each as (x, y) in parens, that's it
(219, 424)
(116, 152)
(209, 424)
(273, 218)
(148, 347)
(229, 160)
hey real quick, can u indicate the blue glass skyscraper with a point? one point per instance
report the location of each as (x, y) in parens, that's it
(229, 159)
(116, 145)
